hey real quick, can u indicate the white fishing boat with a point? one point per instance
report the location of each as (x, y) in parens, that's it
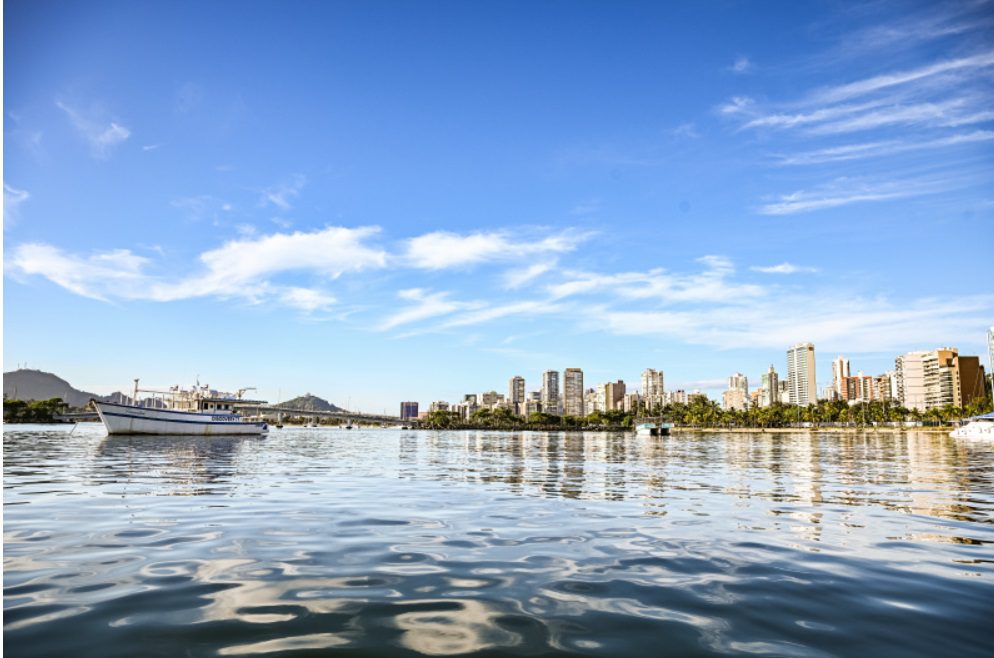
(198, 411)
(979, 427)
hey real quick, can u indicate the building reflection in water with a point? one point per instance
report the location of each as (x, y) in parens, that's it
(171, 465)
(916, 473)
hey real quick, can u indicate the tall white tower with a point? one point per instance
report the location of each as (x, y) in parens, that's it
(801, 374)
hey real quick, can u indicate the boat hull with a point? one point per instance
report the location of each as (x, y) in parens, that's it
(124, 419)
(979, 430)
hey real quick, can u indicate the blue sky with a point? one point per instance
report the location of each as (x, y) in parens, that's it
(377, 201)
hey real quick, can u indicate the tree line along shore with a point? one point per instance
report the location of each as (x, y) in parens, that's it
(705, 413)
(698, 413)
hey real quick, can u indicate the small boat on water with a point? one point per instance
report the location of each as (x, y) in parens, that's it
(198, 411)
(979, 427)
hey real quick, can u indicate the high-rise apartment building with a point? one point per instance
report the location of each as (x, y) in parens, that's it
(770, 383)
(990, 349)
(516, 394)
(533, 403)
(939, 385)
(573, 392)
(652, 388)
(886, 386)
(910, 371)
(859, 388)
(614, 396)
(737, 396)
(840, 372)
(592, 401)
(801, 374)
(927, 380)
(408, 410)
(550, 392)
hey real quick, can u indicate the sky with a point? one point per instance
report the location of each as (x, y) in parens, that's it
(385, 201)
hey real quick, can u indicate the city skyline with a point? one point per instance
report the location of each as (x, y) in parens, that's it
(920, 380)
(319, 200)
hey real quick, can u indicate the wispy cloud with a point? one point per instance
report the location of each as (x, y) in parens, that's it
(882, 148)
(782, 268)
(869, 325)
(12, 200)
(498, 311)
(741, 65)
(713, 284)
(442, 250)
(202, 207)
(737, 105)
(517, 277)
(282, 194)
(846, 191)
(686, 130)
(897, 78)
(101, 136)
(424, 305)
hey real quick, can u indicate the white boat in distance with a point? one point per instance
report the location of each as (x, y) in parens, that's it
(979, 427)
(198, 411)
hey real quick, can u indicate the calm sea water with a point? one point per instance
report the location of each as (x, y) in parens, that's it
(393, 543)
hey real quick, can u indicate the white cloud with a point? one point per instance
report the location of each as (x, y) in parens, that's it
(917, 113)
(202, 207)
(883, 148)
(741, 65)
(517, 277)
(845, 191)
(868, 325)
(102, 275)
(101, 136)
(529, 307)
(783, 268)
(330, 252)
(897, 78)
(12, 200)
(442, 250)
(713, 284)
(243, 269)
(281, 195)
(686, 130)
(426, 305)
(306, 299)
(737, 105)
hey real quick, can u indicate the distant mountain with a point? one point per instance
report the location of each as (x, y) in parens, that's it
(26, 384)
(310, 402)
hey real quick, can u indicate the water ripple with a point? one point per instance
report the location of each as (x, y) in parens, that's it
(386, 543)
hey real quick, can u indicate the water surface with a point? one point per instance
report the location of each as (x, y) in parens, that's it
(392, 543)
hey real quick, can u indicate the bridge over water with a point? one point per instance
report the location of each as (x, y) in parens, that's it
(273, 411)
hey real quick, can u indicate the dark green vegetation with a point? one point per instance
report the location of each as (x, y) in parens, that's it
(308, 402)
(504, 419)
(33, 411)
(703, 412)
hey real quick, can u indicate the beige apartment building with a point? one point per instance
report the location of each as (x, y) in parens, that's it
(573, 392)
(932, 379)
